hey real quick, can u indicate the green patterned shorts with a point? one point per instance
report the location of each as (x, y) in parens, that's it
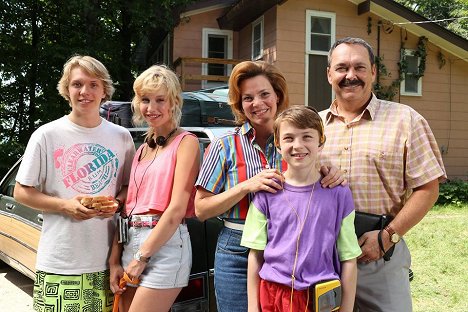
(89, 292)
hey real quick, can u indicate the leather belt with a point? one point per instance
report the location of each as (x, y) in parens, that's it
(144, 221)
(148, 221)
(139, 224)
(234, 226)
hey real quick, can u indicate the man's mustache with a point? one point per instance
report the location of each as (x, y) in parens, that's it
(351, 83)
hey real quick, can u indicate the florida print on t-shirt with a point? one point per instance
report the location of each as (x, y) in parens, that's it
(87, 168)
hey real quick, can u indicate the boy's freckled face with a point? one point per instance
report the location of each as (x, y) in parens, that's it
(299, 147)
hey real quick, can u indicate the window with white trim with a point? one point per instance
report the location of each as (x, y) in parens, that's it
(320, 35)
(412, 82)
(216, 43)
(257, 39)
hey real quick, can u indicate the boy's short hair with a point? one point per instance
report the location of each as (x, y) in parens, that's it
(90, 66)
(302, 117)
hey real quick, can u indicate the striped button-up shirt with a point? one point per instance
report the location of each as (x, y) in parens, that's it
(235, 158)
(385, 152)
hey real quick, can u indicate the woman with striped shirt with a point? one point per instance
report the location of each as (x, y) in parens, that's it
(239, 164)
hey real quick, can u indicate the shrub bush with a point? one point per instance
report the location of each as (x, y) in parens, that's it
(453, 193)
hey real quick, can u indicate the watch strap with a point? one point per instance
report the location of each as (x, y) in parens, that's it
(391, 232)
(386, 255)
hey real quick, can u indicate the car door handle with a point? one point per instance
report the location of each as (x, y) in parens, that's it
(39, 218)
(9, 206)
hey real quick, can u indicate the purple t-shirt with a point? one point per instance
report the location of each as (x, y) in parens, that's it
(317, 257)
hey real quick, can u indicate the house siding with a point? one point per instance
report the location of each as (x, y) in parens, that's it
(188, 41)
(269, 38)
(444, 88)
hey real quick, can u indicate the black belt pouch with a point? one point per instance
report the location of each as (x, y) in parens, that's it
(366, 222)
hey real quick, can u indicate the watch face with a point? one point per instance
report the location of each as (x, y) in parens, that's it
(395, 238)
(139, 257)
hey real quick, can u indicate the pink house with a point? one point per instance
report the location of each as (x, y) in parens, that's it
(296, 36)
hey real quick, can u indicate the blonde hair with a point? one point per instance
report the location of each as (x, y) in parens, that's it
(90, 66)
(152, 80)
(301, 117)
(250, 69)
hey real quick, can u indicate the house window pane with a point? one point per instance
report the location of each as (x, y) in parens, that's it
(320, 25)
(217, 48)
(412, 62)
(257, 32)
(320, 33)
(257, 44)
(411, 84)
(257, 48)
(320, 42)
(320, 93)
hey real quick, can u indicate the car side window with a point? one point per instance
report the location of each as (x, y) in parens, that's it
(8, 185)
(203, 144)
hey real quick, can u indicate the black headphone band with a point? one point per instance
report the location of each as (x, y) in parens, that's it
(160, 140)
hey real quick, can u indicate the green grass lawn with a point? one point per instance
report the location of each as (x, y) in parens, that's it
(439, 249)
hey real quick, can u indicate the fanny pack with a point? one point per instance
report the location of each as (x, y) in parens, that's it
(327, 296)
(366, 222)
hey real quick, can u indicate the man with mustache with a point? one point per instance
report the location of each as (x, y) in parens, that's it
(392, 162)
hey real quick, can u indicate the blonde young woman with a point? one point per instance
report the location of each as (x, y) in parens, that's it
(158, 251)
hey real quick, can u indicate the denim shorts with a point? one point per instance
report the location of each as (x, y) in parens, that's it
(170, 266)
(231, 272)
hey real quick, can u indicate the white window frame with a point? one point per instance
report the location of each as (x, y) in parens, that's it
(403, 91)
(256, 55)
(214, 31)
(309, 14)
(164, 47)
(332, 17)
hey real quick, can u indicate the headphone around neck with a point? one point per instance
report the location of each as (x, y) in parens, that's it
(160, 140)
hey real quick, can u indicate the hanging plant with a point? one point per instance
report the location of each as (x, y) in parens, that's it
(384, 92)
(369, 25)
(388, 92)
(421, 52)
(441, 59)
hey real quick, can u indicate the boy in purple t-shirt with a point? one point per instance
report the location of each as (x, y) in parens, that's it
(302, 234)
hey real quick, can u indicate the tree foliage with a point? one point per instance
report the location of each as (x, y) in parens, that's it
(443, 9)
(38, 36)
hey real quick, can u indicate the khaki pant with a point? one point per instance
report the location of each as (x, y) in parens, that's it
(384, 286)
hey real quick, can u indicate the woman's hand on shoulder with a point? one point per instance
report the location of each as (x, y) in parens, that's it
(332, 177)
(269, 180)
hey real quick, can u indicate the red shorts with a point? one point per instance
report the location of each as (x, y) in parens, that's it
(276, 297)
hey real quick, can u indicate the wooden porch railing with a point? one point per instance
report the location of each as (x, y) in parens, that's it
(184, 76)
